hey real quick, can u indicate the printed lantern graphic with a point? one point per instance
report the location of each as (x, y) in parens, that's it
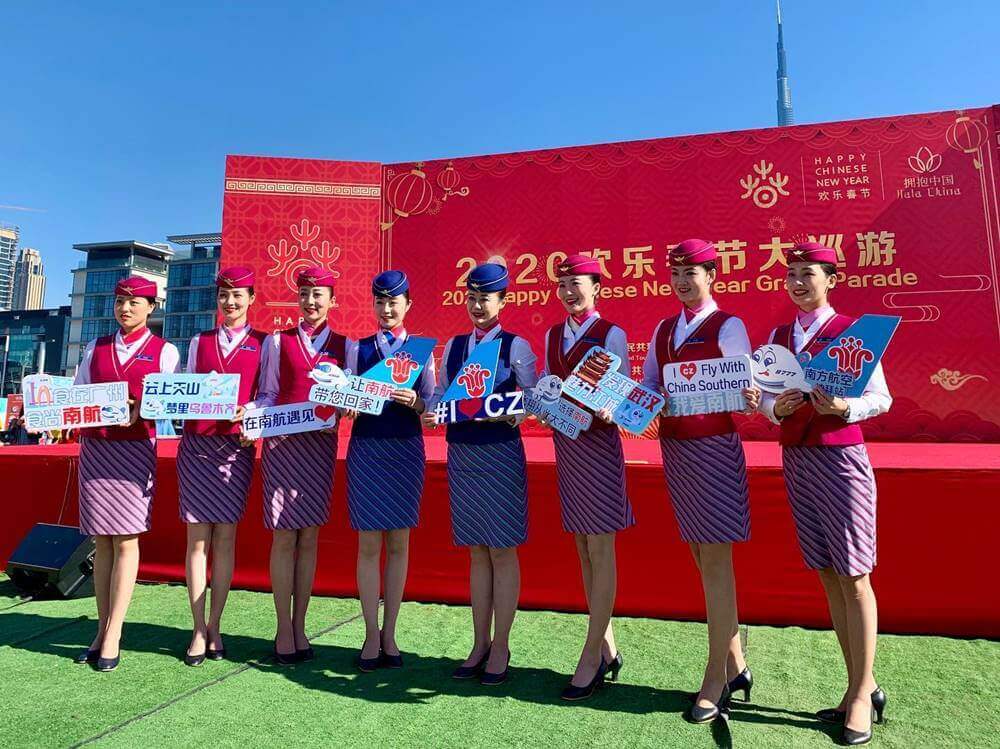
(408, 194)
(473, 378)
(400, 366)
(448, 180)
(289, 259)
(967, 135)
(851, 356)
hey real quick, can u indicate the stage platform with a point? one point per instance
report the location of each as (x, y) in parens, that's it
(934, 575)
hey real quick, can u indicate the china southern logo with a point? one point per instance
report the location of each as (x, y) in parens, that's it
(851, 355)
(473, 379)
(400, 366)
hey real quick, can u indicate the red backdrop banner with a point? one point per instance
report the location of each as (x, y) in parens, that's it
(909, 203)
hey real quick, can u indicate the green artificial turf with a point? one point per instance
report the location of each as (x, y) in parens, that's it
(941, 691)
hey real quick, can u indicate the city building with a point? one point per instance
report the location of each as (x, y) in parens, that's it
(191, 304)
(31, 341)
(29, 280)
(93, 295)
(8, 253)
(784, 103)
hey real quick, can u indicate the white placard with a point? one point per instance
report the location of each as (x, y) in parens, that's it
(707, 386)
(292, 418)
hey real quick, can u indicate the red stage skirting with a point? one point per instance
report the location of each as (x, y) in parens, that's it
(934, 576)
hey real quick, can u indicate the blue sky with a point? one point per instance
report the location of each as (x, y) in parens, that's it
(117, 116)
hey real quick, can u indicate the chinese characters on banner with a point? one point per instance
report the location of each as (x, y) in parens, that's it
(908, 203)
(211, 396)
(55, 403)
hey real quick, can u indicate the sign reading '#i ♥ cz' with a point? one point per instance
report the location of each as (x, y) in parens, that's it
(183, 396)
(493, 406)
(597, 383)
(707, 386)
(292, 418)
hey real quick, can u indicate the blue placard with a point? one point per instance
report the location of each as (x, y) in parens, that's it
(846, 365)
(477, 375)
(403, 367)
(597, 383)
(211, 396)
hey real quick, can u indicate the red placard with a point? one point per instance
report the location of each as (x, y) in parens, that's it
(910, 204)
(282, 215)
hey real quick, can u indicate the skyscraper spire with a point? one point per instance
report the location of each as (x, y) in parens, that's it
(785, 116)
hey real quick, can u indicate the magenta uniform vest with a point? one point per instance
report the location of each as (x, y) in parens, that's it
(295, 364)
(244, 360)
(104, 367)
(702, 343)
(806, 426)
(563, 364)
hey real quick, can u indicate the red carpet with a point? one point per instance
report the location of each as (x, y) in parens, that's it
(933, 577)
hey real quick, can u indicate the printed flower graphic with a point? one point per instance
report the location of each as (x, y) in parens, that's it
(924, 162)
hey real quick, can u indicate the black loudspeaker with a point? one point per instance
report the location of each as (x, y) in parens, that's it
(52, 559)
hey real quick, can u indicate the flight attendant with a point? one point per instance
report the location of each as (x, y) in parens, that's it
(831, 486)
(590, 471)
(118, 463)
(385, 473)
(705, 467)
(215, 463)
(487, 478)
(298, 468)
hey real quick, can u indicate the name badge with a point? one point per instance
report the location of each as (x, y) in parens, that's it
(695, 340)
(143, 357)
(248, 348)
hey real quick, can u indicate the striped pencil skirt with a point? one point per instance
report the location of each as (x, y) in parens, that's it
(213, 477)
(590, 472)
(707, 481)
(488, 488)
(116, 486)
(832, 493)
(385, 478)
(298, 479)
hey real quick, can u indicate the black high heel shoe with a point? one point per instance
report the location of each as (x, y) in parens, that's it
(705, 714)
(284, 659)
(742, 681)
(491, 680)
(367, 665)
(215, 655)
(833, 715)
(87, 656)
(390, 661)
(194, 660)
(108, 664)
(575, 694)
(850, 737)
(471, 672)
(614, 667)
